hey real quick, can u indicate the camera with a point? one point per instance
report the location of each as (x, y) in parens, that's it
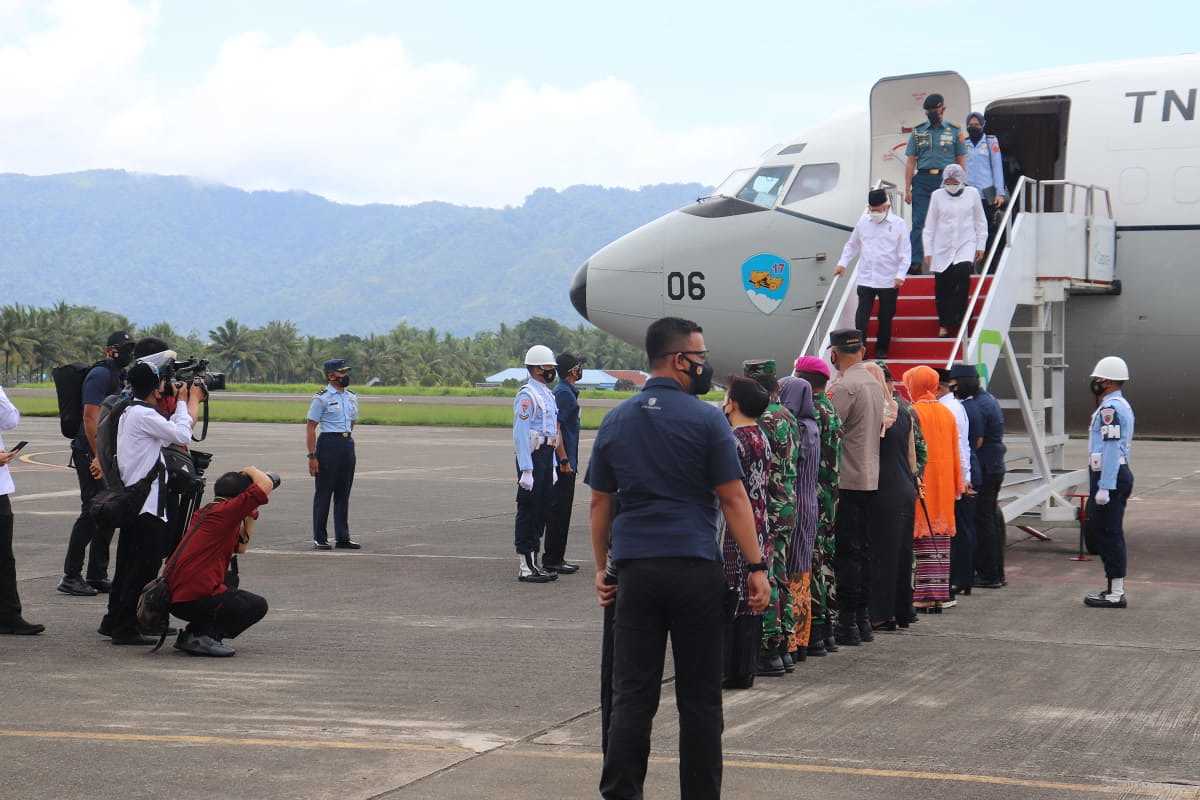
(194, 370)
(275, 479)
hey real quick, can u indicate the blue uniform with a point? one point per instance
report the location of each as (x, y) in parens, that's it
(535, 435)
(985, 170)
(334, 411)
(935, 148)
(987, 476)
(1109, 440)
(558, 518)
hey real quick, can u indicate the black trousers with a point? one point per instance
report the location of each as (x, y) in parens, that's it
(1106, 523)
(10, 601)
(887, 310)
(86, 535)
(335, 477)
(989, 535)
(221, 616)
(887, 534)
(962, 546)
(606, 669)
(852, 552)
(139, 556)
(951, 288)
(988, 198)
(683, 597)
(558, 521)
(904, 568)
(533, 506)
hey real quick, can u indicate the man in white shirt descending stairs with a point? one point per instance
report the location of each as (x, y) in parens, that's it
(881, 240)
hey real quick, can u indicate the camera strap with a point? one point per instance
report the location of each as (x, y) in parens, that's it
(204, 425)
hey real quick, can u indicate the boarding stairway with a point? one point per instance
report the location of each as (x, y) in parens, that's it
(1053, 241)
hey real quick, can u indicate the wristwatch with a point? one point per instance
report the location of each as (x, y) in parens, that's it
(312, 455)
(759, 567)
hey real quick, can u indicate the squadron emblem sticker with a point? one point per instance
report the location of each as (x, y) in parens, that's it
(765, 277)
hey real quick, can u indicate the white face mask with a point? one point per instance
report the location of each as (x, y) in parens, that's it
(878, 216)
(954, 188)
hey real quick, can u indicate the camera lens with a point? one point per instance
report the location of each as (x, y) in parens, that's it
(275, 479)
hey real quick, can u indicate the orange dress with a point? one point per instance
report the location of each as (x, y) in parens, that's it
(943, 470)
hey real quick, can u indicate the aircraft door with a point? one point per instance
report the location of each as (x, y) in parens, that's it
(896, 108)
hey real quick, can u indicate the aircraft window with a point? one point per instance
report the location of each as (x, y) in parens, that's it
(763, 188)
(812, 180)
(792, 149)
(736, 180)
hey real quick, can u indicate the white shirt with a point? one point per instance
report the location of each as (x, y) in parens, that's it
(142, 433)
(885, 251)
(964, 432)
(9, 418)
(954, 228)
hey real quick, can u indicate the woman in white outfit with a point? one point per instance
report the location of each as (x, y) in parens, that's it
(955, 236)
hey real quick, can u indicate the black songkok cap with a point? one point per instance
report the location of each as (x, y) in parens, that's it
(933, 101)
(876, 197)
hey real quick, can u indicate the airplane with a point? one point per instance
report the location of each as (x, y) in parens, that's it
(752, 263)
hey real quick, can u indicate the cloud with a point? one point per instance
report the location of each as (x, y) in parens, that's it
(360, 122)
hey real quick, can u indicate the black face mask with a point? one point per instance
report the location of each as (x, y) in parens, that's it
(1097, 387)
(124, 357)
(974, 133)
(702, 377)
(343, 381)
(548, 374)
(933, 116)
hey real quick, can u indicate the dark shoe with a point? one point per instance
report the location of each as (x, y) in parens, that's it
(348, 545)
(830, 639)
(103, 585)
(789, 663)
(1107, 600)
(528, 570)
(105, 628)
(799, 656)
(565, 568)
(20, 627)
(738, 682)
(890, 626)
(169, 632)
(321, 545)
(864, 630)
(134, 638)
(205, 646)
(965, 591)
(996, 584)
(881, 355)
(75, 585)
(816, 647)
(770, 666)
(847, 635)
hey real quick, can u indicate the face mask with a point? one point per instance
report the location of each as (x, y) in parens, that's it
(934, 117)
(954, 188)
(702, 377)
(124, 357)
(343, 381)
(548, 374)
(878, 216)
(974, 133)
(1097, 387)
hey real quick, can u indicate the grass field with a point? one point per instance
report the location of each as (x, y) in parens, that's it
(369, 414)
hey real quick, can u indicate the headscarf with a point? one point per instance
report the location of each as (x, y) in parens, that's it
(922, 384)
(889, 395)
(976, 115)
(954, 171)
(796, 395)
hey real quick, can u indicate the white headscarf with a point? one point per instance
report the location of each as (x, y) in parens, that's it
(956, 172)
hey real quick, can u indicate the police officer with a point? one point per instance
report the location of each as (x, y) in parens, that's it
(985, 169)
(538, 443)
(558, 517)
(331, 455)
(932, 147)
(1110, 479)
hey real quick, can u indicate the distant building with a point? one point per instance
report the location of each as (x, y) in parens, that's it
(592, 378)
(634, 376)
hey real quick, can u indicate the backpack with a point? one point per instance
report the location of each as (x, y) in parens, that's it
(154, 603)
(106, 436)
(116, 508)
(68, 385)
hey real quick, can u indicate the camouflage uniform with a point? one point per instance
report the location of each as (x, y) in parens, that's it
(823, 581)
(783, 433)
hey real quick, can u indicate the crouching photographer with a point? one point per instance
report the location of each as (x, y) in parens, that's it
(196, 572)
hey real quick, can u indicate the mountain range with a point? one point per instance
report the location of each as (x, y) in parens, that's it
(192, 253)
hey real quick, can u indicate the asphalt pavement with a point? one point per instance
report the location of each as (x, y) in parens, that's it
(419, 667)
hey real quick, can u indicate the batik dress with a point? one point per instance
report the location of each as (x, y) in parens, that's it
(783, 434)
(743, 634)
(822, 582)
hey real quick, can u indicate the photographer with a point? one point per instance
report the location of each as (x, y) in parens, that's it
(103, 379)
(141, 435)
(196, 571)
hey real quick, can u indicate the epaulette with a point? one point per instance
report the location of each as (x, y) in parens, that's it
(951, 124)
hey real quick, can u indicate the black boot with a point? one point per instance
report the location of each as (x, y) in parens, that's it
(830, 639)
(770, 665)
(816, 642)
(847, 634)
(863, 622)
(789, 664)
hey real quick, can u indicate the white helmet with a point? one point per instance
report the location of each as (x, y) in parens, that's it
(1111, 368)
(539, 355)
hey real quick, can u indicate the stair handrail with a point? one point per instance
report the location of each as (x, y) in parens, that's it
(812, 332)
(1089, 203)
(1019, 195)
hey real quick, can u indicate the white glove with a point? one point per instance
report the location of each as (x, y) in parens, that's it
(1102, 497)
(526, 482)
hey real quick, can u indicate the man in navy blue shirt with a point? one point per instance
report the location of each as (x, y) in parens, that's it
(987, 451)
(672, 461)
(558, 521)
(103, 379)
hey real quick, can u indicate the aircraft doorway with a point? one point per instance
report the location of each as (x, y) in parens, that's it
(1033, 140)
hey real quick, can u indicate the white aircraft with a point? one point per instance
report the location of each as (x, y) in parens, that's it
(1093, 148)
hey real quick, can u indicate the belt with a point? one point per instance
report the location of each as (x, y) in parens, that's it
(339, 434)
(931, 171)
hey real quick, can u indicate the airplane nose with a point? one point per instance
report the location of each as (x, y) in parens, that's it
(579, 291)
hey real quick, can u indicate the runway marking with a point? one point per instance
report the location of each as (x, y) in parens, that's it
(20, 498)
(28, 459)
(361, 554)
(238, 741)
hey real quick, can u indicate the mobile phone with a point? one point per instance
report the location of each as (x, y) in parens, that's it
(19, 446)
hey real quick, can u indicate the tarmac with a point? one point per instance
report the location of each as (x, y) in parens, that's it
(420, 668)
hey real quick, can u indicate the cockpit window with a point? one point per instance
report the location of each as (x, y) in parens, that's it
(812, 180)
(736, 180)
(763, 188)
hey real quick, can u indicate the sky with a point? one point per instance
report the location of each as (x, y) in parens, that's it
(480, 103)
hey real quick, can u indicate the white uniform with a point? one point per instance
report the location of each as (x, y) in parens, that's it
(964, 432)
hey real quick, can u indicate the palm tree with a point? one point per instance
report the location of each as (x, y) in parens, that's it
(14, 339)
(237, 347)
(281, 350)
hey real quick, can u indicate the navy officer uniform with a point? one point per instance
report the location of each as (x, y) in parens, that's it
(333, 412)
(932, 146)
(1110, 480)
(536, 440)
